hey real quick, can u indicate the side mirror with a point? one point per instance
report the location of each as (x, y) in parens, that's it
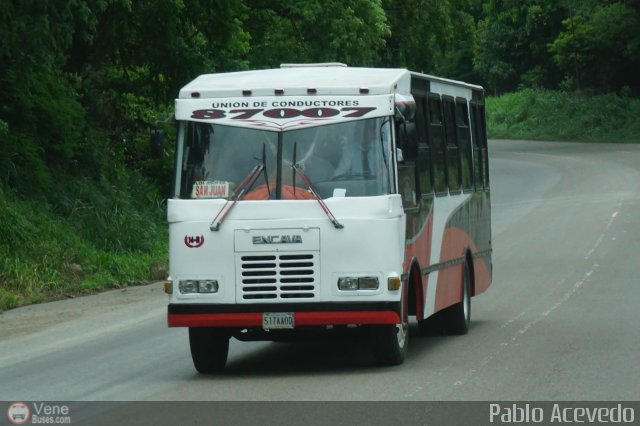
(156, 143)
(405, 108)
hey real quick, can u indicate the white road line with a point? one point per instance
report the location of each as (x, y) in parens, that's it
(509, 341)
(606, 229)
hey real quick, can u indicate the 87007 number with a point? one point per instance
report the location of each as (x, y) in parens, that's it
(280, 113)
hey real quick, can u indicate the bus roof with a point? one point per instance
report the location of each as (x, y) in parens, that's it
(304, 79)
(297, 80)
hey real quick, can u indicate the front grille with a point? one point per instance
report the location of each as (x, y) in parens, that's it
(279, 276)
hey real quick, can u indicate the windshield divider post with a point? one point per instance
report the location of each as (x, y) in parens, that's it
(279, 167)
(264, 168)
(293, 161)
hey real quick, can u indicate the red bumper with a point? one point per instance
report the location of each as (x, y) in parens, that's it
(254, 319)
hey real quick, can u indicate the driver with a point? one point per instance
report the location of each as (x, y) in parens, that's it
(356, 155)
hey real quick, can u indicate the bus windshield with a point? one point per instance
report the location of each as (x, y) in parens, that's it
(348, 159)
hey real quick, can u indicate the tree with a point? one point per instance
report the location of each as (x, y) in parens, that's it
(137, 57)
(455, 58)
(40, 106)
(511, 43)
(599, 45)
(419, 29)
(351, 31)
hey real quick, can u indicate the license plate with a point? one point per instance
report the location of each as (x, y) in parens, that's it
(277, 320)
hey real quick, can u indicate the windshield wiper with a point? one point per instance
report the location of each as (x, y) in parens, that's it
(239, 195)
(242, 190)
(314, 192)
(264, 169)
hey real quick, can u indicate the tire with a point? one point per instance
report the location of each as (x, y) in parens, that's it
(458, 317)
(209, 349)
(390, 341)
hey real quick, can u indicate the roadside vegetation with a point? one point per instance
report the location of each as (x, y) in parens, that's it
(92, 238)
(564, 116)
(84, 82)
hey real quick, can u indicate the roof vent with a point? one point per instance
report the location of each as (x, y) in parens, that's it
(321, 64)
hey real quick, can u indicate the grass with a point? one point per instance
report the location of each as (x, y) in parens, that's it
(95, 239)
(563, 116)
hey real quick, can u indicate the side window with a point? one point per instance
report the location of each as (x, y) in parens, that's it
(485, 149)
(423, 162)
(464, 143)
(437, 143)
(477, 156)
(480, 153)
(453, 149)
(407, 186)
(407, 138)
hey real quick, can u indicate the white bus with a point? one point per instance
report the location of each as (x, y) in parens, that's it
(319, 197)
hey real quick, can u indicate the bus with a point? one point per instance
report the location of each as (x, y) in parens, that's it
(320, 198)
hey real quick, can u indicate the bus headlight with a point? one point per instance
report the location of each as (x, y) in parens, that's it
(198, 286)
(188, 286)
(347, 283)
(208, 286)
(358, 283)
(368, 283)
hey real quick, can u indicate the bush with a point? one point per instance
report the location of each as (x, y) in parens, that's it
(555, 115)
(95, 238)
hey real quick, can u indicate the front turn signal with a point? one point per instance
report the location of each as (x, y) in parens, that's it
(394, 283)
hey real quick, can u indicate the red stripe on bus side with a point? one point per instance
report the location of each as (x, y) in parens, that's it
(454, 244)
(420, 250)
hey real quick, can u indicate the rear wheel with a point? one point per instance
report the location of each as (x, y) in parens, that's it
(390, 341)
(458, 317)
(209, 348)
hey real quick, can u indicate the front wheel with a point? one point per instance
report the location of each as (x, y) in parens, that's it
(209, 349)
(390, 341)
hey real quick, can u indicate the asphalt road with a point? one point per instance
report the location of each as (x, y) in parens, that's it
(560, 322)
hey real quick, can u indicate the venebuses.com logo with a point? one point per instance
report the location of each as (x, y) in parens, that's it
(18, 413)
